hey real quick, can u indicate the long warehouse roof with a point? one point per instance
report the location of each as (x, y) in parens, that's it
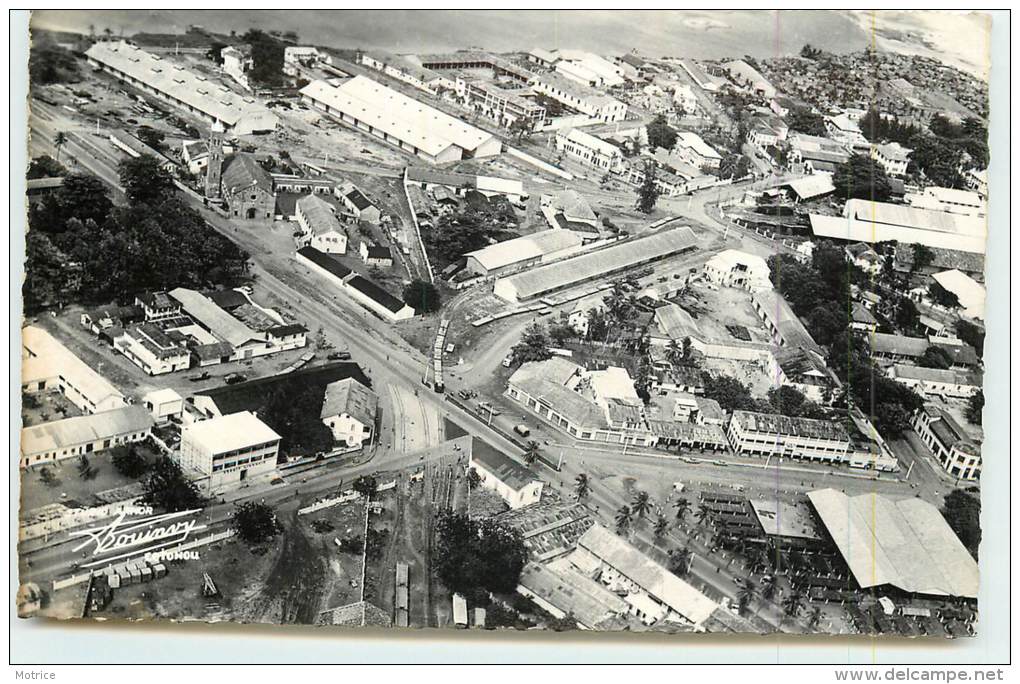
(609, 260)
(865, 221)
(397, 115)
(907, 543)
(215, 100)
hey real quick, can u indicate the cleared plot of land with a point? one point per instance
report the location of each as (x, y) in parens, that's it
(721, 311)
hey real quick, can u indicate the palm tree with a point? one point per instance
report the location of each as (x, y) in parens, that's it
(703, 513)
(642, 504)
(59, 141)
(683, 507)
(680, 562)
(814, 617)
(582, 486)
(531, 452)
(793, 602)
(768, 587)
(746, 593)
(624, 517)
(674, 352)
(661, 527)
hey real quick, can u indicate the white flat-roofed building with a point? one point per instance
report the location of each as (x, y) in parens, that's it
(588, 150)
(349, 410)
(174, 84)
(164, 405)
(905, 544)
(46, 365)
(873, 222)
(968, 291)
(956, 451)
(598, 264)
(774, 435)
(696, 151)
(522, 252)
(951, 384)
(734, 268)
(321, 227)
(83, 435)
(892, 157)
(652, 592)
(230, 448)
(515, 483)
(505, 106)
(400, 120)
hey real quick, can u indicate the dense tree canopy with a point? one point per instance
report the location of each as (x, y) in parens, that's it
(45, 167)
(80, 248)
(168, 489)
(477, 554)
(267, 55)
(889, 403)
(50, 63)
(660, 134)
(422, 296)
(962, 510)
(803, 120)
(731, 394)
(464, 231)
(648, 191)
(972, 335)
(144, 181)
(292, 409)
(255, 522)
(129, 461)
(861, 178)
(533, 345)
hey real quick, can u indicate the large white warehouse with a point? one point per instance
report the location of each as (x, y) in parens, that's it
(401, 120)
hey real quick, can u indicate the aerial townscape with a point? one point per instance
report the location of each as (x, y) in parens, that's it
(544, 339)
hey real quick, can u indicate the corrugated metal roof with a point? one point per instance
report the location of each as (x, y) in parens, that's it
(654, 579)
(211, 316)
(79, 430)
(609, 260)
(176, 81)
(906, 544)
(398, 115)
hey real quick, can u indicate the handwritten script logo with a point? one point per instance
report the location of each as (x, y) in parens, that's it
(150, 532)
